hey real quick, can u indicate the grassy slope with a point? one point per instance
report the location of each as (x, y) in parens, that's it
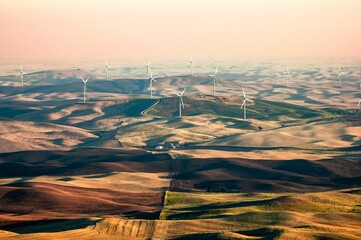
(180, 205)
(260, 110)
(219, 122)
(269, 216)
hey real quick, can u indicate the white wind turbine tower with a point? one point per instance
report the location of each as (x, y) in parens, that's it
(149, 70)
(84, 89)
(289, 77)
(106, 71)
(339, 74)
(244, 104)
(151, 80)
(192, 65)
(215, 81)
(181, 103)
(22, 73)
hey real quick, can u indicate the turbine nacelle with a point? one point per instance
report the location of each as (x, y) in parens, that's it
(84, 80)
(106, 70)
(84, 87)
(289, 76)
(214, 76)
(244, 104)
(339, 69)
(107, 65)
(215, 81)
(192, 65)
(22, 71)
(151, 80)
(339, 74)
(181, 97)
(148, 69)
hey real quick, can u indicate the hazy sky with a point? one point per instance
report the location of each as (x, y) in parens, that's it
(68, 30)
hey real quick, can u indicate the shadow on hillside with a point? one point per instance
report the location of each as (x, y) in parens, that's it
(49, 225)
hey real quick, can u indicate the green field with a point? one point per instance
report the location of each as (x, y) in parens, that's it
(262, 110)
(268, 216)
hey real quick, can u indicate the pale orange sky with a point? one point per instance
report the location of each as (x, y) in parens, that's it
(87, 30)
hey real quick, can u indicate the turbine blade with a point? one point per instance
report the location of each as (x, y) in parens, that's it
(242, 105)
(183, 91)
(244, 94)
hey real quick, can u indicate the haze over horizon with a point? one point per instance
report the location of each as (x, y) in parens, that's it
(83, 30)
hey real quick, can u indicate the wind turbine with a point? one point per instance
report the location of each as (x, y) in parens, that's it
(151, 80)
(107, 69)
(149, 70)
(84, 90)
(22, 73)
(192, 64)
(215, 81)
(289, 77)
(339, 74)
(323, 75)
(181, 103)
(244, 104)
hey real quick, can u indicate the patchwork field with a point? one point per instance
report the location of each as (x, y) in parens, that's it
(125, 166)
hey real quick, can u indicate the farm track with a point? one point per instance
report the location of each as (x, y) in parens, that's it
(144, 112)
